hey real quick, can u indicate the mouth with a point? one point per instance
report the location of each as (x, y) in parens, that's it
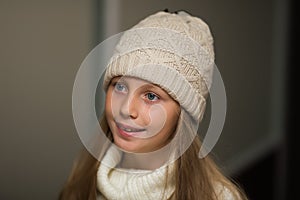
(128, 131)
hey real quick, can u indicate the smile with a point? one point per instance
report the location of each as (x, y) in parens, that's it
(129, 129)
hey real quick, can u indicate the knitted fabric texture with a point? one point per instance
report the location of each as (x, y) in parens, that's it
(114, 183)
(174, 51)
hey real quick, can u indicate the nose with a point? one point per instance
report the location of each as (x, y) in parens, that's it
(129, 107)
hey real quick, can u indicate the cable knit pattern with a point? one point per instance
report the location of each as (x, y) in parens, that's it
(174, 51)
(120, 184)
(184, 23)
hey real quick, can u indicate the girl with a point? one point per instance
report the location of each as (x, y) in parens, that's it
(156, 87)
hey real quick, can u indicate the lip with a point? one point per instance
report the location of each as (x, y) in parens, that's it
(128, 131)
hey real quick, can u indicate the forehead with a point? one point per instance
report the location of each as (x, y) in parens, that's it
(134, 81)
(137, 83)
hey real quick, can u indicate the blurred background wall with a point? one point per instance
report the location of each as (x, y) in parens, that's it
(42, 46)
(44, 42)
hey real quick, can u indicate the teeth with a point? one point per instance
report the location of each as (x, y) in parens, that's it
(130, 130)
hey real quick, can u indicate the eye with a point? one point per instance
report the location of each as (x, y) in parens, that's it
(119, 87)
(151, 96)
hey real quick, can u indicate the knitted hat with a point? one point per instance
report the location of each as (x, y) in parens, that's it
(174, 51)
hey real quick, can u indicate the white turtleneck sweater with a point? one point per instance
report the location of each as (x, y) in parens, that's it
(117, 183)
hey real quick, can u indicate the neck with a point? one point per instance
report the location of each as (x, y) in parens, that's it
(145, 161)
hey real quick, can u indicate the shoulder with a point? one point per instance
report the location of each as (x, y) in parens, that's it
(224, 193)
(100, 196)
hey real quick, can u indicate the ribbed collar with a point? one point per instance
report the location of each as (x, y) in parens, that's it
(117, 183)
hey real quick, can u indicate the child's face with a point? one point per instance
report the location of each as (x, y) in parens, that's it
(142, 117)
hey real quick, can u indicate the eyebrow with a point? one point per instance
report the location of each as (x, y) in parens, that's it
(147, 86)
(156, 89)
(117, 80)
(151, 86)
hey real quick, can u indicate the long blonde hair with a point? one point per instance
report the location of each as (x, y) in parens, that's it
(194, 178)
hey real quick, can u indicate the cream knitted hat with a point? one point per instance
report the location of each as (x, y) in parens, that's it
(174, 51)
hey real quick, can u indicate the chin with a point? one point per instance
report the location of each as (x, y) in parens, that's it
(126, 145)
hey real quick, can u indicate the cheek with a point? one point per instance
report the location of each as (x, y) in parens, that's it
(157, 114)
(113, 103)
(108, 107)
(173, 116)
(155, 119)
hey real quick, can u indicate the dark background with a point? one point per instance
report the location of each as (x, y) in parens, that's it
(279, 168)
